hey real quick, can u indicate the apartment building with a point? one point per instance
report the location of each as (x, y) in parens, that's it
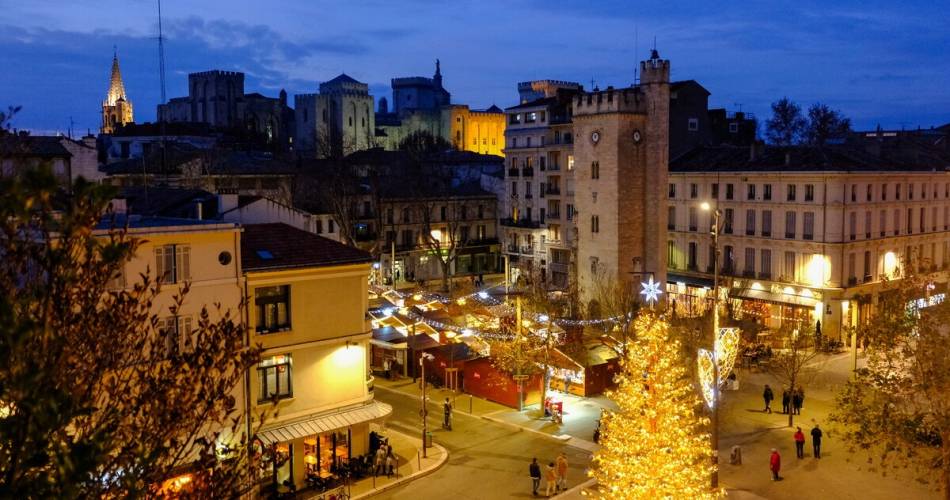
(307, 301)
(807, 234)
(537, 220)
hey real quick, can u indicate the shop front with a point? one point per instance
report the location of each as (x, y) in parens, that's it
(317, 450)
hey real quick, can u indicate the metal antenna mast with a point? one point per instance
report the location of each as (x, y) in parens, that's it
(161, 53)
(161, 77)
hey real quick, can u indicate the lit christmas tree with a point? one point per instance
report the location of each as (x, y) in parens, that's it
(654, 446)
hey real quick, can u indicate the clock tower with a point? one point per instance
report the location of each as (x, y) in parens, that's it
(621, 152)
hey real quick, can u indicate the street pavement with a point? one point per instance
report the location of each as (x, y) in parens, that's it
(486, 459)
(838, 475)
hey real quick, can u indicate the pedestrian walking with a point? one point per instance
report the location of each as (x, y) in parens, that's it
(447, 415)
(797, 402)
(735, 455)
(800, 443)
(550, 480)
(816, 441)
(534, 470)
(768, 397)
(562, 471)
(786, 400)
(390, 463)
(775, 464)
(801, 399)
(380, 464)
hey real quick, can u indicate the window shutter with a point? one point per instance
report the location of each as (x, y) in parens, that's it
(159, 265)
(183, 263)
(186, 340)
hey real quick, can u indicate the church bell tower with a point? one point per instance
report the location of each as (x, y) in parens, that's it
(116, 108)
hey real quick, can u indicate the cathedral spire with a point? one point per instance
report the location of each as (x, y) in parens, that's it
(116, 108)
(437, 78)
(116, 87)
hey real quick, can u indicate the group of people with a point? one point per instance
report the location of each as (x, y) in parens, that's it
(385, 462)
(775, 459)
(555, 475)
(792, 399)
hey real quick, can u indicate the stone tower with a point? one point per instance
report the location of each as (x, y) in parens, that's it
(621, 152)
(116, 108)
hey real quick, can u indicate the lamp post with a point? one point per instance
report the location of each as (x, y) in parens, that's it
(714, 420)
(425, 428)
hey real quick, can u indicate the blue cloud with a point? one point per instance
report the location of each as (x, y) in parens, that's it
(879, 62)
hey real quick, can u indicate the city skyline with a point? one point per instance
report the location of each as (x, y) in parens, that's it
(877, 64)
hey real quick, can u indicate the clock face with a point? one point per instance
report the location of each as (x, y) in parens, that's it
(595, 137)
(636, 136)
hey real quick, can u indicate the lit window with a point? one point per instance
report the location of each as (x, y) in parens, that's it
(273, 375)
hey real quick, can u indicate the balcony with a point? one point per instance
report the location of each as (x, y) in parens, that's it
(528, 196)
(553, 190)
(511, 248)
(853, 280)
(529, 250)
(512, 172)
(554, 168)
(527, 172)
(767, 234)
(554, 215)
(748, 274)
(765, 275)
(522, 223)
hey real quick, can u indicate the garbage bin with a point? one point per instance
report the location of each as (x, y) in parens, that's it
(428, 443)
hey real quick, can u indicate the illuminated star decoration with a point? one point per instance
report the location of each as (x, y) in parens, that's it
(727, 347)
(651, 291)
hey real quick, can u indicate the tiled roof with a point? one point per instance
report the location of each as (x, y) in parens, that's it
(32, 146)
(343, 78)
(279, 246)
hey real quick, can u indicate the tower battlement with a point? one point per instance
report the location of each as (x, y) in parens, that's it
(610, 100)
(217, 72)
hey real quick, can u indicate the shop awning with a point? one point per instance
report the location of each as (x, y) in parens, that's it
(325, 422)
(774, 298)
(689, 280)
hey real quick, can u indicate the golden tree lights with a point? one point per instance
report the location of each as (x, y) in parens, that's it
(654, 446)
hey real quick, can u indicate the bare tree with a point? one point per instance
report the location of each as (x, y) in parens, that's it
(618, 304)
(95, 402)
(896, 410)
(794, 365)
(444, 230)
(825, 124)
(786, 125)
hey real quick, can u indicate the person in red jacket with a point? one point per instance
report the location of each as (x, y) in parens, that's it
(775, 463)
(800, 443)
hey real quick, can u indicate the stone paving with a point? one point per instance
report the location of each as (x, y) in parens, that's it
(836, 475)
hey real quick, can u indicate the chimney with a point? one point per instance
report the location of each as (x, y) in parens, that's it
(227, 201)
(752, 151)
(119, 206)
(788, 158)
(199, 209)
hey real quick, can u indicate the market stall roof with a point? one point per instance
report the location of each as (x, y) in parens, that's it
(774, 298)
(324, 422)
(420, 342)
(388, 334)
(561, 360)
(599, 354)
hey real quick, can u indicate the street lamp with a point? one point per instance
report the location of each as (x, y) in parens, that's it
(425, 429)
(714, 433)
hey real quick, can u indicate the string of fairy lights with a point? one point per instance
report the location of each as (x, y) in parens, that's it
(483, 297)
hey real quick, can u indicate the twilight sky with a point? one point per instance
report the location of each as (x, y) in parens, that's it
(880, 62)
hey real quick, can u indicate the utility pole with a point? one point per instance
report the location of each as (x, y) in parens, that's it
(714, 435)
(425, 427)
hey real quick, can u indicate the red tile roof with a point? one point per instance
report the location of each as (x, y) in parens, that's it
(279, 246)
